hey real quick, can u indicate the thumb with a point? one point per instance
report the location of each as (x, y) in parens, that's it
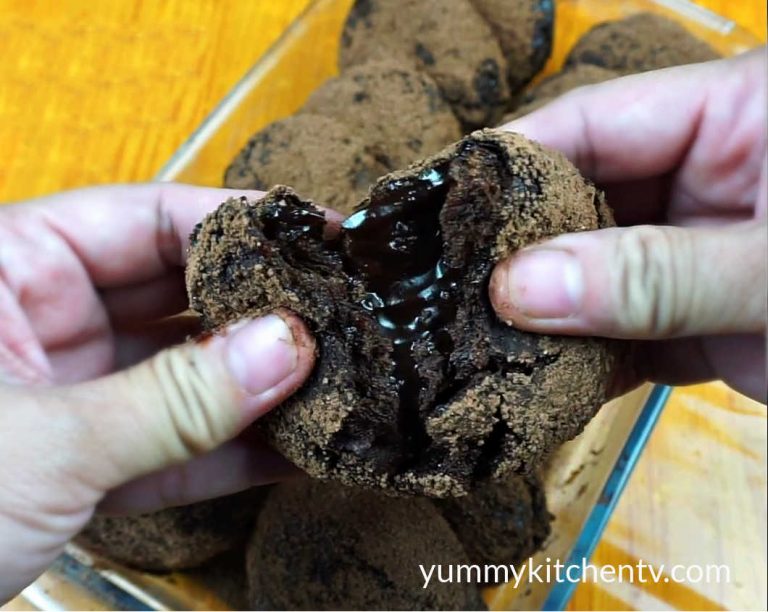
(189, 399)
(642, 282)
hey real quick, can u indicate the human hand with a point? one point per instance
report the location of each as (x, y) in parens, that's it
(682, 156)
(87, 281)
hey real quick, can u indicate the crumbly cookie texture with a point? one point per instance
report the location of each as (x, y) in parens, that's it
(524, 29)
(500, 523)
(639, 43)
(175, 538)
(450, 41)
(320, 546)
(320, 156)
(397, 110)
(418, 386)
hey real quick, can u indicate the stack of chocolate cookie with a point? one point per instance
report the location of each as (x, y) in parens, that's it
(415, 76)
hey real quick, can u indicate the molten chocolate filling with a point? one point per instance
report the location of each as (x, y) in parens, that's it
(395, 246)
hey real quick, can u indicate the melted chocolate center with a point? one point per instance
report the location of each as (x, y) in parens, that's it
(289, 223)
(395, 246)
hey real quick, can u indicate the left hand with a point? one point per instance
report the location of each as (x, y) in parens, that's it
(88, 280)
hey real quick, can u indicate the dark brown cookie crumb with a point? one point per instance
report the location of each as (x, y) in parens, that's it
(418, 386)
(639, 43)
(449, 40)
(501, 523)
(396, 110)
(322, 158)
(175, 538)
(524, 29)
(326, 547)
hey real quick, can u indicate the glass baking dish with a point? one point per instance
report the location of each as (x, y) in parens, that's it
(586, 476)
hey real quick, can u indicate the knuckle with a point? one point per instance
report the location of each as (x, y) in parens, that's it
(648, 299)
(196, 416)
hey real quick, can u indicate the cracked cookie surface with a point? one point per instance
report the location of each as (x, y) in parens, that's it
(418, 386)
(450, 41)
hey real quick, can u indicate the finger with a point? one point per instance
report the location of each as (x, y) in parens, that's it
(640, 201)
(646, 201)
(737, 359)
(22, 358)
(90, 356)
(676, 361)
(101, 353)
(126, 234)
(233, 467)
(138, 343)
(159, 297)
(187, 400)
(333, 224)
(740, 360)
(634, 127)
(698, 123)
(644, 282)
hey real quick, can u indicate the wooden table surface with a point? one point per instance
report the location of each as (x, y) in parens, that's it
(97, 92)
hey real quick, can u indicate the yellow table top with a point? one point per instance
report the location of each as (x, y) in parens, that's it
(96, 92)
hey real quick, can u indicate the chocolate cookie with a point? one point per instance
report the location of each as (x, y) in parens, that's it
(175, 538)
(642, 42)
(396, 110)
(418, 386)
(524, 29)
(558, 84)
(501, 523)
(448, 40)
(224, 577)
(321, 546)
(321, 157)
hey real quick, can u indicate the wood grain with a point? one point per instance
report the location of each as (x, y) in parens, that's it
(96, 92)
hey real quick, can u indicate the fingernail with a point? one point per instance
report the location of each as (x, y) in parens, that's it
(545, 283)
(261, 353)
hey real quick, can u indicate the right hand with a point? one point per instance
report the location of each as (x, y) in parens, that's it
(681, 154)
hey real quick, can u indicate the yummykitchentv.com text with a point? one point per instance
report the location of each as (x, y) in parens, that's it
(550, 572)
